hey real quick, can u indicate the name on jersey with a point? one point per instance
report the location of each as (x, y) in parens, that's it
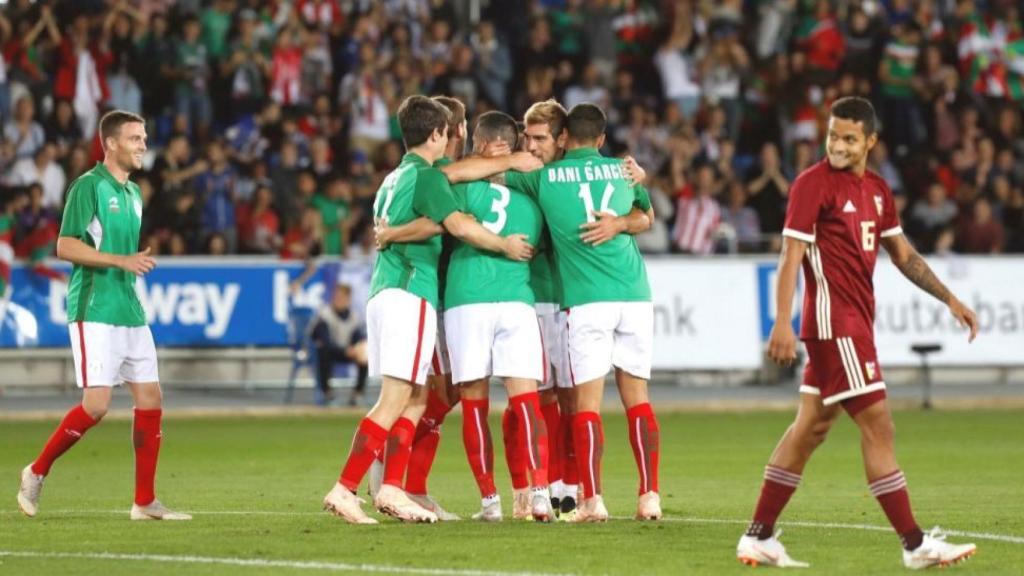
(588, 173)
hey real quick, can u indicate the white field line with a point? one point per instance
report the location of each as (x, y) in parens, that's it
(688, 520)
(263, 563)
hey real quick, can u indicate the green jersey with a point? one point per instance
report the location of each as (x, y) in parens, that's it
(569, 191)
(412, 190)
(543, 276)
(332, 213)
(107, 216)
(477, 276)
(448, 243)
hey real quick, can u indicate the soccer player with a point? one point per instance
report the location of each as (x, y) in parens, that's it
(401, 318)
(492, 330)
(606, 297)
(110, 341)
(838, 214)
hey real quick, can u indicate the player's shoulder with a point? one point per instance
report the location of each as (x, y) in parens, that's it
(430, 177)
(817, 172)
(88, 180)
(876, 179)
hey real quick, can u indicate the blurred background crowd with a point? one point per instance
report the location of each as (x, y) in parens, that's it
(271, 123)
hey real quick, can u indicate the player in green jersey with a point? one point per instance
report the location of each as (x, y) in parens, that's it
(401, 318)
(605, 293)
(110, 340)
(492, 330)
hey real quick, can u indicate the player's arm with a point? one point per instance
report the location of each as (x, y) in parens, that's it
(77, 252)
(418, 230)
(607, 226)
(467, 229)
(478, 168)
(782, 341)
(913, 266)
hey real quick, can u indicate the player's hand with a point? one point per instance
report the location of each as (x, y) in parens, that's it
(382, 234)
(138, 264)
(495, 148)
(605, 227)
(782, 344)
(632, 171)
(525, 162)
(517, 248)
(965, 317)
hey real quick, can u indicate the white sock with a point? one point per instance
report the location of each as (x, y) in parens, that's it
(570, 491)
(542, 491)
(490, 500)
(558, 489)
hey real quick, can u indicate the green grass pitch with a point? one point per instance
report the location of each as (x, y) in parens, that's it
(255, 486)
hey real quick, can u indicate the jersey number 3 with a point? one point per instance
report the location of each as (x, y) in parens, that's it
(498, 206)
(588, 200)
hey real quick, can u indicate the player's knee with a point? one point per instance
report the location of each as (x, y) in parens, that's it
(879, 431)
(95, 411)
(819, 432)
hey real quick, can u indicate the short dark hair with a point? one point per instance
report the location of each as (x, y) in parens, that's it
(586, 122)
(419, 117)
(457, 109)
(111, 122)
(856, 109)
(496, 125)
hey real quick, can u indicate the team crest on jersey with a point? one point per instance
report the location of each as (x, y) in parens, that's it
(869, 367)
(113, 205)
(878, 204)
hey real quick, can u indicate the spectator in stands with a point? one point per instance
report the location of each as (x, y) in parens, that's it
(493, 63)
(258, 224)
(721, 73)
(338, 335)
(246, 67)
(363, 102)
(768, 189)
(174, 170)
(676, 62)
(157, 49)
(22, 130)
(43, 170)
(304, 240)
(588, 89)
(215, 188)
(930, 216)
(980, 234)
(741, 219)
(123, 28)
(82, 62)
(62, 129)
(698, 215)
(336, 215)
(192, 72)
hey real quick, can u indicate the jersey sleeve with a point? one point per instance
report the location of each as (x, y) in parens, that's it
(890, 223)
(643, 198)
(461, 194)
(79, 209)
(433, 196)
(802, 211)
(526, 182)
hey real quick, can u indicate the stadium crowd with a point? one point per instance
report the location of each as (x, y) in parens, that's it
(271, 124)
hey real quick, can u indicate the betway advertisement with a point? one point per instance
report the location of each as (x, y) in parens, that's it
(188, 303)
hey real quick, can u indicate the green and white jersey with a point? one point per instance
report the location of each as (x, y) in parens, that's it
(543, 275)
(477, 276)
(448, 243)
(569, 191)
(106, 215)
(412, 190)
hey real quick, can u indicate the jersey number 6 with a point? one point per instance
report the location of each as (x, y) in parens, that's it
(867, 235)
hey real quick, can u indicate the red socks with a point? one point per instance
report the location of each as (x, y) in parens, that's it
(533, 436)
(567, 449)
(476, 436)
(891, 492)
(514, 455)
(588, 434)
(644, 438)
(424, 444)
(70, 430)
(778, 487)
(368, 440)
(146, 436)
(399, 447)
(552, 420)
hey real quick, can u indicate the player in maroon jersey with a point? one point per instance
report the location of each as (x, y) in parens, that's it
(838, 215)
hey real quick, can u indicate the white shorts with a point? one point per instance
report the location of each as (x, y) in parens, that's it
(552, 332)
(440, 363)
(606, 334)
(400, 332)
(107, 355)
(497, 339)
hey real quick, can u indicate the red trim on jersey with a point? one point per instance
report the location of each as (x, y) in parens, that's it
(568, 354)
(419, 340)
(81, 346)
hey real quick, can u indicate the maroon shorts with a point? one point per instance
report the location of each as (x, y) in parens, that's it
(844, 370)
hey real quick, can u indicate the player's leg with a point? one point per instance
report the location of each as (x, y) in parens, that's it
(139, 372)
(631, 356)
(398, 447)
(400, 328)
(567, 449)
(590, 331)
(90, 347)
(476, 438)
(532, 443)
(889, 486)
(553, 420)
